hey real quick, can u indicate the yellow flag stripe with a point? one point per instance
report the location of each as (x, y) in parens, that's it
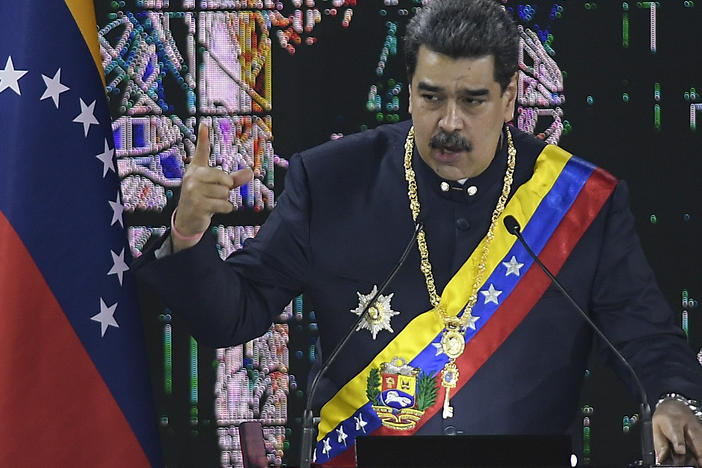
(83, 12)
(420, 332)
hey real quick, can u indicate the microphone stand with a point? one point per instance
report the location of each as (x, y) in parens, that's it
(308, 420)
(647, 453)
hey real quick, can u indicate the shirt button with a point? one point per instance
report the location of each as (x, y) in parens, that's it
(462, 224)
(472, 190)
(444, 186)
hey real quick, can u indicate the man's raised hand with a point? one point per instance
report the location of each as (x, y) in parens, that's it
(204, 192)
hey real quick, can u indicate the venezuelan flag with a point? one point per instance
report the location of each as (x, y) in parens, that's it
(74, 385)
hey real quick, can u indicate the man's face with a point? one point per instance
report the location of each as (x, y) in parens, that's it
(458, 110)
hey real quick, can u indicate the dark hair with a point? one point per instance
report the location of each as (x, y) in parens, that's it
(465, 29)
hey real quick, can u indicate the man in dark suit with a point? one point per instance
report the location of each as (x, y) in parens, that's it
(469, 338)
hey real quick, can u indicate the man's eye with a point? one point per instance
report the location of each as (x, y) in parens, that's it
(473, 102)
(430, 97)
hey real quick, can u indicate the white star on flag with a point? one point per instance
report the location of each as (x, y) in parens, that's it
(512, 266)
(327, 446)
(360, 423)
(341, 435)
(106, 158)
(117, 209)
(439, 348)
(491, 294)
(86, 116)
(9, 77)
(119, 266)
(54, 88)
(106, 317)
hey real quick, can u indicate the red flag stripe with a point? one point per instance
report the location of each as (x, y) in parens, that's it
(44, 365)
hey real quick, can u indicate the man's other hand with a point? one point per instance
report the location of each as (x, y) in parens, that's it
(676, 428)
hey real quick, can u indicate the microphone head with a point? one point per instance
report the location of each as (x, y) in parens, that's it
(512, 225)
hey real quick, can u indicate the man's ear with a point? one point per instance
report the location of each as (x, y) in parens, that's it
(409, 107)
(509, 97)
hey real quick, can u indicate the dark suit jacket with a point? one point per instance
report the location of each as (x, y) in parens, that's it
(343, 222)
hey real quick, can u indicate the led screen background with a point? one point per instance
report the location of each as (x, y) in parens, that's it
(273, 78)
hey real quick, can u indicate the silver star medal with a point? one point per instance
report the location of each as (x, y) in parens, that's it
(378, 316)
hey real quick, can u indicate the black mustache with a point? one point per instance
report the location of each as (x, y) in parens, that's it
(450, 141)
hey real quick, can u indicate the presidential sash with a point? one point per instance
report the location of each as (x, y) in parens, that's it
(398, 390)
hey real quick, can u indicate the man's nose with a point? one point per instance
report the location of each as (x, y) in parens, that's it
(451, 120)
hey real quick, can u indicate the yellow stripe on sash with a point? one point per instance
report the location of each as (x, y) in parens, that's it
(420, 332)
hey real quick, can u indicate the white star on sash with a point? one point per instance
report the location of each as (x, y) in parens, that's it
(471, 321)
(439, 348)
(512, 266)
(54, 88)
(360, 423)
(341, 435)
(491, 294)
(9, 77)
(327, 446)
(106, 317)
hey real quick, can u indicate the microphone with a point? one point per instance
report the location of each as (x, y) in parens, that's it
(647, 452)
(308, 419)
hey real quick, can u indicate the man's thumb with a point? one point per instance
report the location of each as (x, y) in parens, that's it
(241, 177)
(202, 149)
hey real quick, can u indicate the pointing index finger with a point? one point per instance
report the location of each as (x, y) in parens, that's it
(202, 149)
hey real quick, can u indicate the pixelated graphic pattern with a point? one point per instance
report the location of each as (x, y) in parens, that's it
(153, 74)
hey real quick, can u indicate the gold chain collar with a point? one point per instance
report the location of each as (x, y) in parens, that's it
(452, 340)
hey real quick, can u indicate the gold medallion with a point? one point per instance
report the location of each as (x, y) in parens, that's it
(453, 343)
